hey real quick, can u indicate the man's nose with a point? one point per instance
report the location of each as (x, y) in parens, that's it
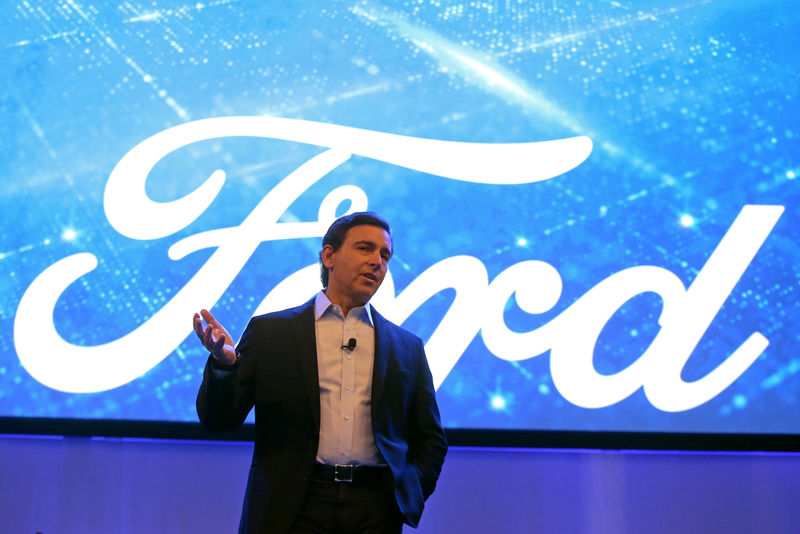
(376, 259)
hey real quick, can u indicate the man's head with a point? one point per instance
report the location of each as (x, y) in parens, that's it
(354, 256)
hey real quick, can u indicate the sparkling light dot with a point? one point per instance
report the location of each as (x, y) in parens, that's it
(791, 175)
(687, 220)
(498, 402)
(69, 234)
(522, 242)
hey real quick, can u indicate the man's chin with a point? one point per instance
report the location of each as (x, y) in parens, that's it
(366, 293)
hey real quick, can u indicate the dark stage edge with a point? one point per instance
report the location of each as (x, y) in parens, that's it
(457, 437)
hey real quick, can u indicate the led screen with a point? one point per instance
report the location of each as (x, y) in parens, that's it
(594, 204)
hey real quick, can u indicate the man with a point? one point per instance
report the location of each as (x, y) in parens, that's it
(348, 437)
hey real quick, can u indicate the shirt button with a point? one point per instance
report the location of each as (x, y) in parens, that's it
(346, 417)
(347, 388)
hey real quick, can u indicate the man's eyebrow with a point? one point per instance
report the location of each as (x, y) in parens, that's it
(373, 245)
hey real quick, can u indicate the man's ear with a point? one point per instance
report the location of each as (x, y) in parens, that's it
(327, 256)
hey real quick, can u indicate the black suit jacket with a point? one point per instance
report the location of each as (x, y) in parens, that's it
(278, 375)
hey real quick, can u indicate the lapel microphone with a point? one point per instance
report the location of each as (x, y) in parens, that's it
(351, 344)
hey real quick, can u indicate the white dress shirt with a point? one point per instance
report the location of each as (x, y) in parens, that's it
(345, 384)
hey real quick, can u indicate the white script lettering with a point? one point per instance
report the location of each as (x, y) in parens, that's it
(478, 306)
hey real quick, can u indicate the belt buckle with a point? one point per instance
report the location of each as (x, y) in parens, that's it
(343, 472)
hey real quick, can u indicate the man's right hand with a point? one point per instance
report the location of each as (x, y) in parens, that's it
(214, 337)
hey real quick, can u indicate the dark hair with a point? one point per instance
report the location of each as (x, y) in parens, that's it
(338, 230)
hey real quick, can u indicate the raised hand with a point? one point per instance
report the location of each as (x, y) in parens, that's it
(214, 337)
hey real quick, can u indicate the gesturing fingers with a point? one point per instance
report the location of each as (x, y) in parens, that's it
(212, 335)
(218, 345)
(197, 322)
(208, 317)
(208, 338)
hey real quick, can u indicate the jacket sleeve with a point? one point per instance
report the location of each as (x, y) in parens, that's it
(226, 395)
(427, 443)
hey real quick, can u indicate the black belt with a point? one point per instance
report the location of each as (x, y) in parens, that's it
(356, 474)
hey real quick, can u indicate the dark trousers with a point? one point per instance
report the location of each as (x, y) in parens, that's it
(349, 508)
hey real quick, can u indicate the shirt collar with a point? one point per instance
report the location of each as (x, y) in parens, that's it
(322, 303)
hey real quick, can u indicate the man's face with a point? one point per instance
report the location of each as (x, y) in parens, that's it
(357, 268)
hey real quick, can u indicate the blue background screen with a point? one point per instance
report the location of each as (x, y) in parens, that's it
(686, 113)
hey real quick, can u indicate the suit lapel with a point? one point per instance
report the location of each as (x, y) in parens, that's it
(381, 362)
(306, 341)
